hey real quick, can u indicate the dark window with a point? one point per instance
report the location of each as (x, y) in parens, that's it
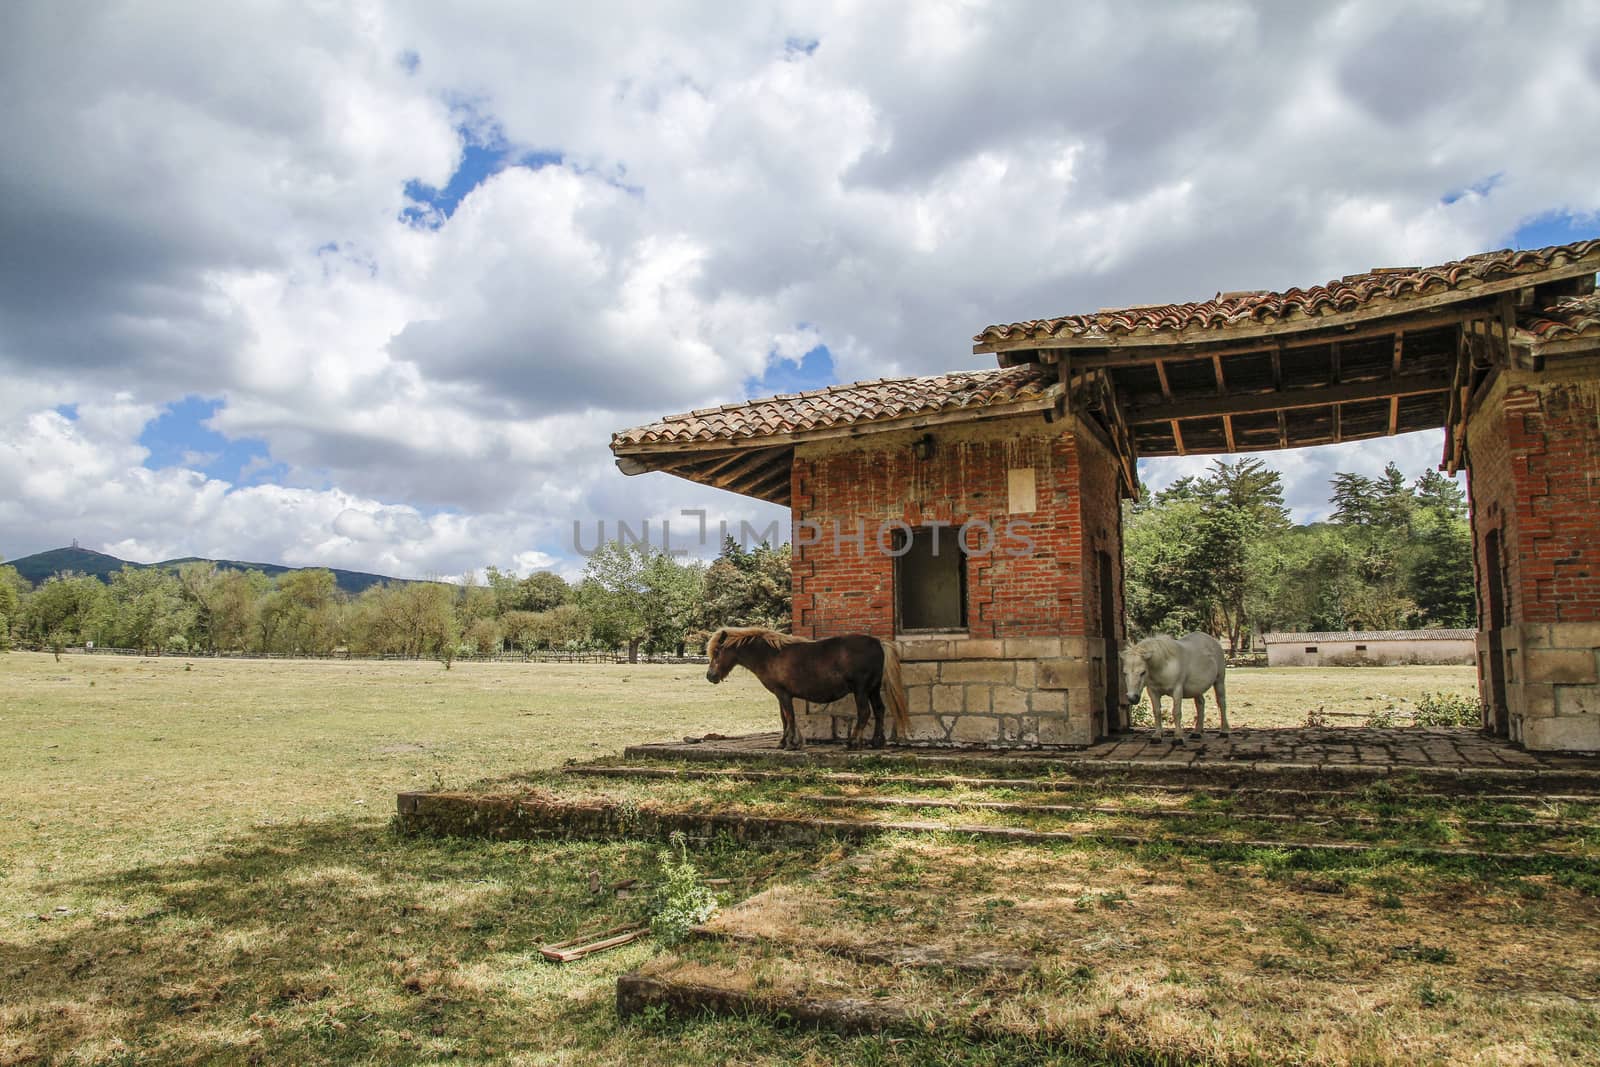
(1361, 648)
(930, 580)
(1311, 648)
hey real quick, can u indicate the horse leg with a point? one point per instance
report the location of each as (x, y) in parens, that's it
(1155, 710)
(791, 729)
(878, 740)
(1177, 709)
(863, 709)
(1199, 716)
(1222, 705)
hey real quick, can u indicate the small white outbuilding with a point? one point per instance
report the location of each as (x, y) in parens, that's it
(1354, 647)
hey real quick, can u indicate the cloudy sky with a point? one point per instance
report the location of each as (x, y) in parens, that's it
(370, 284)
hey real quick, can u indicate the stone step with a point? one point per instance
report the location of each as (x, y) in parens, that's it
(1195, 764)
(800, 774)
(533, 816)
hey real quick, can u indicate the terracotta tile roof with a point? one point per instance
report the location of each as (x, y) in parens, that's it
(1352, 293)
(1327, 636)
(840, 405)
(1572, 317)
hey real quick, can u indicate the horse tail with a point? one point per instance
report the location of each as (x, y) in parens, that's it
(895, 690)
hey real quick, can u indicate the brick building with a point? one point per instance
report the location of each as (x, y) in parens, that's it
(1009, 643)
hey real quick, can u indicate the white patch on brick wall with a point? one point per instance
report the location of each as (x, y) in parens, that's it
(1021, 493)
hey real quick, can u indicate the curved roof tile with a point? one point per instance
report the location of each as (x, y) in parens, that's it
(840, 405)
(1351, 293)
(1572, 317)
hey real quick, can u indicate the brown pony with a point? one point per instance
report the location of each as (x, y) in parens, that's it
(817, 671)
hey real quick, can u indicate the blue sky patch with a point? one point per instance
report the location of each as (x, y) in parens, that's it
(814, 371)
(485, 155)
(68, 412)
(1480, 188)
(1555, 228)
(180, 438)
(795, 47)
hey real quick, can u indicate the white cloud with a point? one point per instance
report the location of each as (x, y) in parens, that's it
(210, 204)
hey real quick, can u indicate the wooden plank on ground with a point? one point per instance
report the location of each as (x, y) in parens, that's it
(578, 947)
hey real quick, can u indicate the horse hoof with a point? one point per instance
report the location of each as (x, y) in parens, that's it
(1222, 733)
(1197, 735)
(878, 742)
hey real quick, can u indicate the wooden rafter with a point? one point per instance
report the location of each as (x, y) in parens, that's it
(1122, 443)
(1289, 399)
(1453, 432)
(1394, 369)
(740, 473)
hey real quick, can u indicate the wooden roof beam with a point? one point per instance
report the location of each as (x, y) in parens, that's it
(757, 465)
(1290, 399)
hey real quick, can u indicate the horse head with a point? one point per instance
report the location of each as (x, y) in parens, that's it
(726, 645)
(722, 656)
(1135, 669)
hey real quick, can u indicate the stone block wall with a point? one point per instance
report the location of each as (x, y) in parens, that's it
(1534, 476)
(1029, 669)
(1016, 692)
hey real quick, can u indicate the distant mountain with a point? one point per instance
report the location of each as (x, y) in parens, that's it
(41, 565)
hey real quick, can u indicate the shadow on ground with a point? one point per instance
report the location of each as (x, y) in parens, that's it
(329, 940)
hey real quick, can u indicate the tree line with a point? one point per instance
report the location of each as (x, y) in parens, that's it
(630, 596)
(1218, 553)
(1215, 553)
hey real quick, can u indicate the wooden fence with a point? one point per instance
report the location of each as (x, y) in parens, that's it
(537, 656)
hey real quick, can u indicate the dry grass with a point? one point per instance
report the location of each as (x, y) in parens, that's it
(1204, 962)
(195, 864)
(1283, 696)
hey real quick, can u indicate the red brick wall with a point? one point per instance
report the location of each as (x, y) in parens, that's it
(1050, 591)
(1535, 476)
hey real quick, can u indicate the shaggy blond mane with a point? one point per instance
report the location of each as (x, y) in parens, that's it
(734, 636)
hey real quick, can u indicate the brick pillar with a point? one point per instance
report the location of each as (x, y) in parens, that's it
(1534, 477)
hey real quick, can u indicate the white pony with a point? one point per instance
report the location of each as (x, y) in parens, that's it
(1176, 667)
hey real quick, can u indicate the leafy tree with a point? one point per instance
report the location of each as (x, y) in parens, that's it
(1188, 554)
(72, 603)
(520, 629)
(747, 588)
(303, 613)
(475, 601)
(145, 608)
(633, 594)
(226, 604)
(612, 595)
(672, 597)
(406, 618)
(563, 626)
(1439, 560)
(12, 590)
(483, 636)
(541, 591)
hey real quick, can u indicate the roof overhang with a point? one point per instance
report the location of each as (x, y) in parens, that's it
(759, 465)
(1231, 321)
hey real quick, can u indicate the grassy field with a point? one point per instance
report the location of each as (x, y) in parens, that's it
(196, 865)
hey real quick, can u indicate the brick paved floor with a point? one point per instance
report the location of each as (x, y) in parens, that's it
(1359, 746)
